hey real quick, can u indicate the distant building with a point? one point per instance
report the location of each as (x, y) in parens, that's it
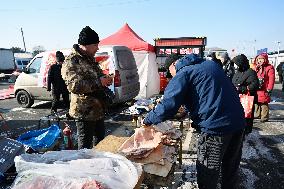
(272, 57)
(217, 50)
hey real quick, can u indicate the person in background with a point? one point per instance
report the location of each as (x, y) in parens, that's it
(56, 83)
(213, 57)
(282, 77)
(169, 60)
(279, 70)
(266, 76)
(228, 65)
(245, 80)
(280, 73)
(209, 96)
(87, 83)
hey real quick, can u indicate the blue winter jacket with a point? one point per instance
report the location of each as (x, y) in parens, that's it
(207, 93)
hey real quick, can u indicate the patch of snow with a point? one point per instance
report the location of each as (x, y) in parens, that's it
(17, 109)
(8, 118)
(40, 103)
(257, 150)
(250, 178)
(186, 176)
(29, 111)
(2, 134)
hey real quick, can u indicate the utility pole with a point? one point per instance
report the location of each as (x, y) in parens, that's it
(254, 48)
(278, 49)
(23, 39)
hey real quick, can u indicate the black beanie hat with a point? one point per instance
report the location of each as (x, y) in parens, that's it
(88, 36)
(170, 59)
(59, 56)
(241, 61)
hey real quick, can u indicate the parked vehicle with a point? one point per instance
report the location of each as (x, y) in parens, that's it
(119, 60)
(7, 61)
(22, 60)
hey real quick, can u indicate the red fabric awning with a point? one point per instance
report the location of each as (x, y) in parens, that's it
(127, 37)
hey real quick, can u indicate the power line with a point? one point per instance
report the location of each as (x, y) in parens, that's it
(103, 4)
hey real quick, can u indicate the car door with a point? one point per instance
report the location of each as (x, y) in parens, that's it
(128, 72)
(30, 80)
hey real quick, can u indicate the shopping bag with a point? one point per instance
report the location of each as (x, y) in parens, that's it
(247, 103)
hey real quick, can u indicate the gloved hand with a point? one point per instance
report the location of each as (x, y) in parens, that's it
(242, 89)
(143, 124)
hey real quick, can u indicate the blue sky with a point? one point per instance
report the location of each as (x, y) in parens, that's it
(55, 24)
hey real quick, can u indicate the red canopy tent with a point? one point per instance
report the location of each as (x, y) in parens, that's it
(145, 58)
(127, 37)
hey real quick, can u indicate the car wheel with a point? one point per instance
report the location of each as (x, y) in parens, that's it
(24, 99)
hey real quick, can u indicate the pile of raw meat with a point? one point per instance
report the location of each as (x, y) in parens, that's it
(154, 147)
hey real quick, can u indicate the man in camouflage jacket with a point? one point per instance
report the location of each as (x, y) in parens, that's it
(86, 82)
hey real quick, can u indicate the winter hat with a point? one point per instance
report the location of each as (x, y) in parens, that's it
(241, 61)
(88, 36)
(170, 59)
(59, 56)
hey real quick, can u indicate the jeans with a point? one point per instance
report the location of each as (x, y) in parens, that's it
(87, 130)
(218, 160)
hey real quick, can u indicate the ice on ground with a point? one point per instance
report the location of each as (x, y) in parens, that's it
(253, 147)
(251, 178)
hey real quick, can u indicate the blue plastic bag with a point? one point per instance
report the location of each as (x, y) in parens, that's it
(41, 140)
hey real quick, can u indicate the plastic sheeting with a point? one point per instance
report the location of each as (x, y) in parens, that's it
(40, 140)
(148, 73)
(72, 169)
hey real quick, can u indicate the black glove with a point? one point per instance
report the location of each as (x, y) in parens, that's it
(243, 89)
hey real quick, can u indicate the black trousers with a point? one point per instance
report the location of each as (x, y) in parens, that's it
(283, 86)
(56, 97)
(87, 130)
(218, 160)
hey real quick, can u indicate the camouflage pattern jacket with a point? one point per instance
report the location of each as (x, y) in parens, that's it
(82, 76)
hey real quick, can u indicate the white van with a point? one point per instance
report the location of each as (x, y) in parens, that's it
(22, 63)
(31, 84)
(22, 60)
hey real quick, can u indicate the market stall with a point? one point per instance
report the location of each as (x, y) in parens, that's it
(157, 147)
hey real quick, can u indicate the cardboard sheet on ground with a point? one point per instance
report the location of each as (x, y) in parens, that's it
(9, 149)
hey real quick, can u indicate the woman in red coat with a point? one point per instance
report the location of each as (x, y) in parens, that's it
(266, 76)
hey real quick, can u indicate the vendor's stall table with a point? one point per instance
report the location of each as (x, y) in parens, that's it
(112, 143)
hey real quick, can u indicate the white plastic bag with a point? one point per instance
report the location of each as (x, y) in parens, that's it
(73, 168)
